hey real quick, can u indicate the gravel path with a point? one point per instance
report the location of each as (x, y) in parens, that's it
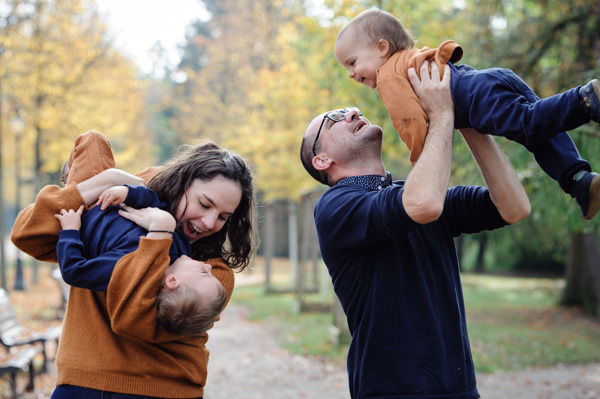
(246, 362)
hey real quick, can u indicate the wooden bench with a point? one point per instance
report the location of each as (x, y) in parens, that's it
(14, 335)
(14, 363)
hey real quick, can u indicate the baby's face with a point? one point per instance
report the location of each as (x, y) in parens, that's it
(198, 276)
(360, 58)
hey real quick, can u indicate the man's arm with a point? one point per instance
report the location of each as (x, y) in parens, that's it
(506, 190)
(427, 183)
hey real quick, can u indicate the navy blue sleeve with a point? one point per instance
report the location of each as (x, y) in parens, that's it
(141, 197)
(469, 209)
(355, 217)
(79, 271)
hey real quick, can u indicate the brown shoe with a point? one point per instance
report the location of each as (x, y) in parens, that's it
(594, 202)
(590, 98)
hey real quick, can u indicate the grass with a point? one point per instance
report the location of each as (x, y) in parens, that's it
(514, 323)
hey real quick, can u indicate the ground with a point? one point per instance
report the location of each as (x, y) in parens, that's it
(246, 362)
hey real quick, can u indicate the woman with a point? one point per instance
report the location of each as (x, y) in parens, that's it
(111, 345)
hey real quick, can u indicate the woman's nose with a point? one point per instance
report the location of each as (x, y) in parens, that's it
(210, 221)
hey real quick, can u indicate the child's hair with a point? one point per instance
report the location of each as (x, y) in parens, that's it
(180, 311)
(378, 24)
(206, 161)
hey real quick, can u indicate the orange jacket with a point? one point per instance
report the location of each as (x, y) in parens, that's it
(110, 340)
(396, 92)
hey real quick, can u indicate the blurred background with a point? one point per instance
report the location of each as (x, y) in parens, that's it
(250, 75)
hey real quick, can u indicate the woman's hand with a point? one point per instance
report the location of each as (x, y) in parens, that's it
(150, 219)
(91, 188)
(70, 219)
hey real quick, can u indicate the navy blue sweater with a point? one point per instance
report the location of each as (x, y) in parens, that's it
(400, 288)
(87, 257)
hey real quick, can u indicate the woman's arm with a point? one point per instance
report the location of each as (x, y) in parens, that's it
(134, 285)
(35, 230)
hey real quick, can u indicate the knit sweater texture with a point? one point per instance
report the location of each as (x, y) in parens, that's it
(110, 340)
(88, 256)
(399, 285)
(403, 105)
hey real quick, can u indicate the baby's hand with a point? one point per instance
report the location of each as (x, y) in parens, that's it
(113, 196)
(70, 219)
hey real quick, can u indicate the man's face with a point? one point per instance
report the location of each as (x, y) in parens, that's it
(343, 130)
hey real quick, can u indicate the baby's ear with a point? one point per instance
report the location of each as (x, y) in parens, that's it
(384, 48)
(171, 282)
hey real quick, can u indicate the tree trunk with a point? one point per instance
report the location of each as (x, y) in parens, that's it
(583, 275)
(480, 264)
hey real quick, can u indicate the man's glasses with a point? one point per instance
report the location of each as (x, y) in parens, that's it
(334, 116)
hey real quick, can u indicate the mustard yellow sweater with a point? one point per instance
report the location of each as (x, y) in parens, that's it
(110, 340)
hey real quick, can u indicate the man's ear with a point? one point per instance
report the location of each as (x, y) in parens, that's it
(171, 282)
(321, 162)
(384, 48)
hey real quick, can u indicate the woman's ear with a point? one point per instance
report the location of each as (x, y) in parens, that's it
(171, 282)
(384, 48)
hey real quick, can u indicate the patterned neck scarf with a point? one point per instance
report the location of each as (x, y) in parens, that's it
(370, 182)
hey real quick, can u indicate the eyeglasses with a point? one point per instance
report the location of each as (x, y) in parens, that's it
(334, 116)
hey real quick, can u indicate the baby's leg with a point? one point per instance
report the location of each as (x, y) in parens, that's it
(91, 155)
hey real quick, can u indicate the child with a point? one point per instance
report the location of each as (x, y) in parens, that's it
(89, 246)
(377, 51)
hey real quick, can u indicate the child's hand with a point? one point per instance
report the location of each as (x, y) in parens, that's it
(112, 196)
(70, 219)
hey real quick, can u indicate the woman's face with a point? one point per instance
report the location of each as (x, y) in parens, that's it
(206, 206)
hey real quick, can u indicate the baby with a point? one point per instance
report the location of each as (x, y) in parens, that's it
(377, 51)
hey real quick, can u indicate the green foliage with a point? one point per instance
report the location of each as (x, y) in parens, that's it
(513, 323)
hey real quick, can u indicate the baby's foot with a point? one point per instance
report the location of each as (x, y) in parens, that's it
(586, 191)
(590, 98)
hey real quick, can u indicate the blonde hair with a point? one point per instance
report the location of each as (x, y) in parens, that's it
(180, 311)
(377, 24)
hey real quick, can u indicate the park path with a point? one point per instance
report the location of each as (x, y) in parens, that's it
(246, 362)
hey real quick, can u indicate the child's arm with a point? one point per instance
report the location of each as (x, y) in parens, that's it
(35, 230)
(76, 268)
(113, 196)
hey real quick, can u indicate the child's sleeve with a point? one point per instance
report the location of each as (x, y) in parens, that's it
(36, 229)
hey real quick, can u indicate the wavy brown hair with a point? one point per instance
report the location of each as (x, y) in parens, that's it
(206, 161)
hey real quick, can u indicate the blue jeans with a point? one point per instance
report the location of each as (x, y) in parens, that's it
(496, 101)
(75, 392)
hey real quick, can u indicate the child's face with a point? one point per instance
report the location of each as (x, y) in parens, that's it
(360, 58)
(198, 276)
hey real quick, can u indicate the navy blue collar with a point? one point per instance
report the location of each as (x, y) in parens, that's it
(369, 182)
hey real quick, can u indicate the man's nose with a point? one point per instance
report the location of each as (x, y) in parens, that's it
(351, 114)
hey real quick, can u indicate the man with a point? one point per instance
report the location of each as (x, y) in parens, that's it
(389, 245)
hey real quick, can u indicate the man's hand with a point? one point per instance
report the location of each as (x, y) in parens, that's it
(70, 219)
(433, 91)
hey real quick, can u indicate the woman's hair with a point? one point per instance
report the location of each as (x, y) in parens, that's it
(180, 311)
(206, 161)
(378, 24)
